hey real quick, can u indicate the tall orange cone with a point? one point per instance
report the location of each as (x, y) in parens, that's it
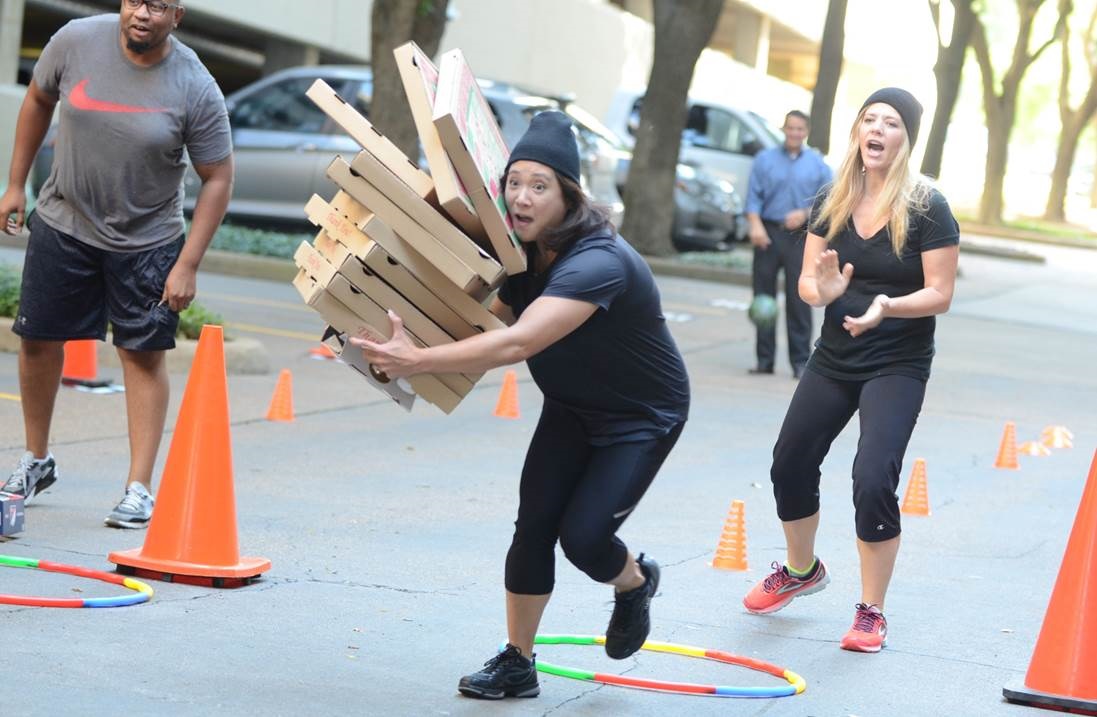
(916, 500)
(731, 551)
(507, 406)
(322, 351)
(192, 533)
(1007, 450)
(281, 403)
(1057, 437)
(1064, 663)
(80, 367)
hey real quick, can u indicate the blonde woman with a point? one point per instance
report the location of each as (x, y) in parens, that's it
(880, 255)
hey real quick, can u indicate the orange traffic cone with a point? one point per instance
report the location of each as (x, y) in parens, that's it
(281, 403)
(731, 551)
(323, 351)
(1057, 437)
(192, 533)
(1061, 673)
(916, 500)
(507, 406)
(1007, 450)
(1033, 448)
(79, 368)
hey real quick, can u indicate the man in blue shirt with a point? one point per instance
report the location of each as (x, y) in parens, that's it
(783, 182)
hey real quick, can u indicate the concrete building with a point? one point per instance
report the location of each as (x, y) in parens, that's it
(763, 53)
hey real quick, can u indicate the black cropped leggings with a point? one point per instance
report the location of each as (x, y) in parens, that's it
(820, 409)
(579, 494)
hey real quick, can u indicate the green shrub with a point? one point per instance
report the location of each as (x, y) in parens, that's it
(193, 318)
(244, 240)
(10, 279)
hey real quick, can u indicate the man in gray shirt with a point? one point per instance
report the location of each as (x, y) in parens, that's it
(107, 237)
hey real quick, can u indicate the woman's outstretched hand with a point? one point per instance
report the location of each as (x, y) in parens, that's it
(868, 320)
(829, 281)
(396, 358)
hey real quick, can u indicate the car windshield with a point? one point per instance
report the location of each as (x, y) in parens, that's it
(591, 123)
(772, 130)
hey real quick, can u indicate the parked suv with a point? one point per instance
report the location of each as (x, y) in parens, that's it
(718, 139)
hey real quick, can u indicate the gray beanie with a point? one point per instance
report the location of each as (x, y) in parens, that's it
(550, 141)
(909, 109)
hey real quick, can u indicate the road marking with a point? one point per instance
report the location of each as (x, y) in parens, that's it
(274, 303)
(10, 396)
(285, 333)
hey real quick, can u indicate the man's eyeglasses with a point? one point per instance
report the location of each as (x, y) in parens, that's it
(156, 7)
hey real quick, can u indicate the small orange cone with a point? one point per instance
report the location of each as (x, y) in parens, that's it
(192, 533)
(323, 351)
(1061, 673)
(1057, 437)
(916, 500)
(281, 403)
(1033, 448)
(80, 367)
(1007, 450)
(731, 551)
(507, 406)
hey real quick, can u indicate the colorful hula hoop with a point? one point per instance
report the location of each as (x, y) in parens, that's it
(142, 591)
(795, 685)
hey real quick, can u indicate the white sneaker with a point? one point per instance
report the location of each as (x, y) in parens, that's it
(134, 510)
(31, 476)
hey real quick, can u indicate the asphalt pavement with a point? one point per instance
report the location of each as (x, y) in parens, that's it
(387, 531)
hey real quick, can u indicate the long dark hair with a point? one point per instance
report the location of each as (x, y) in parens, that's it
(582, 218)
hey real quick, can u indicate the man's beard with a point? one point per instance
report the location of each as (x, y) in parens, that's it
(139, 47)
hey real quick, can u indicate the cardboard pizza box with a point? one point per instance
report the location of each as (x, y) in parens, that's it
(368, 238)
(462, 246)
(363, 278)
(373, 312)
(420, 78)
(366, 135)
(476, 147)
(399, 390)
(441, 256)
(345, 321)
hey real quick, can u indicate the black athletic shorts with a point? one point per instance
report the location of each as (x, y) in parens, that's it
(71, 290)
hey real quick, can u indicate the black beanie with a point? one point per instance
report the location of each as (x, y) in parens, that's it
(550, 141)
(904, 103)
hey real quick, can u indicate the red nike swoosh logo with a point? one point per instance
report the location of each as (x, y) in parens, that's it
(79, 99)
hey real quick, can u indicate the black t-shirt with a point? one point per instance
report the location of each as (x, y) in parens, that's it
(896, 346)
(620, 372)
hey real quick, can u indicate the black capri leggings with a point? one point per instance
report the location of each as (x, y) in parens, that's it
(820, 409)
(579, 494)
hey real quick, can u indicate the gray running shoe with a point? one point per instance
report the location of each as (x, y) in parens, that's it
(134, 510)
(31, 476)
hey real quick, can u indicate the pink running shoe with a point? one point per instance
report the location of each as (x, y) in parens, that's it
(869, 632)
(778, 589)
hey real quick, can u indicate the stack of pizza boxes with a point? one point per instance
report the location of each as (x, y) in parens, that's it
(429, 248)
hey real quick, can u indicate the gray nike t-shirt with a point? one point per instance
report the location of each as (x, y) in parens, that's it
(117, 176)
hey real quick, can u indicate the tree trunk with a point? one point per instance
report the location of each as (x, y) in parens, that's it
(1001, 107)
(1064, 161)
(999, 128)
(831, 51)
(682, 29)
(393, 23)
(948, 71)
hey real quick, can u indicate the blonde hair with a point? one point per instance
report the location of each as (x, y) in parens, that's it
(903, 191)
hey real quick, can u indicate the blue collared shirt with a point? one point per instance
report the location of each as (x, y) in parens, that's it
(779, 183)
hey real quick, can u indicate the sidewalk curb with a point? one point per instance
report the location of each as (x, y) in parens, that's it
(243, 356)
(278, 269)
(1020, 234)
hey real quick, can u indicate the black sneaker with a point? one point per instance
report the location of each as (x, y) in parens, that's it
(631, 620)
(508, 674)
(31, 476)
